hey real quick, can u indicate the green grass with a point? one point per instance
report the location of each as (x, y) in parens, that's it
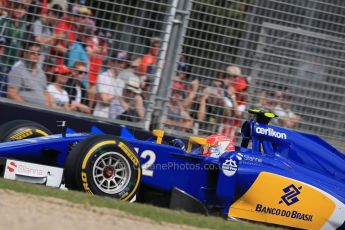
(143, 210)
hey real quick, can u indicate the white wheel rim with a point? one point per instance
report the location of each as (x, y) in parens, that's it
(111, 172)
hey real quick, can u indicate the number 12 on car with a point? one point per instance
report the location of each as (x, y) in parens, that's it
(151, 158)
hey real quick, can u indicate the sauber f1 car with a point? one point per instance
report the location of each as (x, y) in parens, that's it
(276, 175)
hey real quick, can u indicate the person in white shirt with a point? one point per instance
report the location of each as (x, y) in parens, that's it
(130, 106)
(286, 117)
(77, 92)
(58, 95)
(109, 85)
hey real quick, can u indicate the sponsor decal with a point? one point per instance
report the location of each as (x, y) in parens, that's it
(24, 169)
(284, 201)
(22, 135)
(248, 159)
(229, 167)
(85, 183)
(12, 167)
(124, 193)
(290, 196)
(239, 156)
(251, 160)
(271, 132)
(129, 153)
(284, 213)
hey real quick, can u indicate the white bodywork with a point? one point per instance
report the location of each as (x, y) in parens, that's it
(33, 173)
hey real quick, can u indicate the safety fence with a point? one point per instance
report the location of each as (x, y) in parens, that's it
(185, 66)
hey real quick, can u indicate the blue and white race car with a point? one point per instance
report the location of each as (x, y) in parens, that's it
(276, 175)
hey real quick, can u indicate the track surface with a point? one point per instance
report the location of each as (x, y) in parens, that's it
(24, 211)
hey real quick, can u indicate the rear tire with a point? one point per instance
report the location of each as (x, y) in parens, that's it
(103, 165)
(22, 129)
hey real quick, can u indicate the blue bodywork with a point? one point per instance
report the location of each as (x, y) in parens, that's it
(299, 156)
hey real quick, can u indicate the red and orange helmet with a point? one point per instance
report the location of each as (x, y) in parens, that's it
(217, 145)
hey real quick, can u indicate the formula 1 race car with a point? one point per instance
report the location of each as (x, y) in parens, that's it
(276, 175)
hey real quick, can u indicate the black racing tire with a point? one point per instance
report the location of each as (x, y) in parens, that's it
(103, 165)
(22, 129)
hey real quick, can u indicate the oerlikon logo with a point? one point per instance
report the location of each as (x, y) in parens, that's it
(271, 132)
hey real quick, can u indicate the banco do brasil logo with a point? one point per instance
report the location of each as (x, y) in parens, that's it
(291, 195)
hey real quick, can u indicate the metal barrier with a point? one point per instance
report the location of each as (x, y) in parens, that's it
(289, 56)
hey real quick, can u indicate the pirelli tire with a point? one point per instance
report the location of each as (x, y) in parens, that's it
(103, 165)
(22, 129)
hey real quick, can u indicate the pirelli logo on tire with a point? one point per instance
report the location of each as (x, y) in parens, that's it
(22, 135)
(85, 184)
(129, 153)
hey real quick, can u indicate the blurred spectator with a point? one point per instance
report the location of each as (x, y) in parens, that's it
(150, 59)
(26, 80)
(42, 29)
(62, 3)
(177, 117)
(189, 89)
(211, 108)
(77, 53)
(69, 24)
(76, 91)
(235, 81)
(97, 50)
(148, 62)
(109, 85)
(75, 3)
(35, 8)
(58, 95)
(236, 87)
(267, 100)
(286, 117)
(3, 8)
(65, 33)
(131, 71)
(129, 106)
(13, 29)
(3, 70)
(86, 28)
(86, 24)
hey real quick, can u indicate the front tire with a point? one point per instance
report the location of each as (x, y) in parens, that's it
(103, 165)
(22, 129)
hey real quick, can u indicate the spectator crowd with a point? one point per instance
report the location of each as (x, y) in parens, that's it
(57, 57)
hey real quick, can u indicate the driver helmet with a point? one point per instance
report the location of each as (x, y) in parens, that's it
(216, 145)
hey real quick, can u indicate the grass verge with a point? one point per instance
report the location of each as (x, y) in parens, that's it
(154, 213)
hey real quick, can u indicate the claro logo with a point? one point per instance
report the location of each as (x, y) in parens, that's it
(271, 132)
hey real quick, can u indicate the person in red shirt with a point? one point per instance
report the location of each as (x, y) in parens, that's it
(97, 49)
(149, 60)
(148, 66)
(65, 33)
(236, 87)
